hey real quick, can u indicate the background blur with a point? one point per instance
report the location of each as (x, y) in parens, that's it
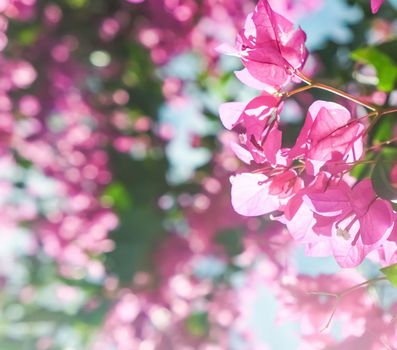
(116, 230)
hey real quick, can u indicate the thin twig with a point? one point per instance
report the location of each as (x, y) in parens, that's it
(313, 85)
(338, 296)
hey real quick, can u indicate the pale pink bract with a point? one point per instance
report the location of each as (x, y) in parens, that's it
(375, 5)
(329, 136)
(356, 220)
(259, 194)
(271, 48)
(259, 119)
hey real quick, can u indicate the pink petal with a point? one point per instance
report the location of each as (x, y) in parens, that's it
(301, 142)
(227, 49)
(241, 153)
(261, 121)
(250, 195)
(329, 135)
(378, 223)
(331, 202)
(324, 224)
(268, 73)
(271, 47)
(337, 150)
(327, 117)
(246, 78)
(375, 5)
(362, 196)
(350, 249)
(346, 254)
(319, 249)
(301, 225)
(272, 145)
(230, 113)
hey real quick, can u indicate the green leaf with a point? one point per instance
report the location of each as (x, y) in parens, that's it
(231, 240)
(118, 196)
(198, 324)
(388, 47)
(381, 173)
(384, 65)
(77, 4)
(383, 131)
(28, 36)
(391, 274)
(362, 170)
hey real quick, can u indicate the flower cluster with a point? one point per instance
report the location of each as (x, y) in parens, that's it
(179, 309)
(82, 156)
(306, 186)
(318, 303)
(53, 143)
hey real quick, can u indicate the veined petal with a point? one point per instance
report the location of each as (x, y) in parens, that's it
(377, 223)
(250, 195)
(241, 153)
(230, 113)
(246, 78)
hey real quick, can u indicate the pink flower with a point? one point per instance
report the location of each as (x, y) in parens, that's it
(300, 220)
(259, 194)
(258, 120)
(329, 137)
(387, 253)
(247, 79)
(270, 47)
(356, 220)
(375, 5)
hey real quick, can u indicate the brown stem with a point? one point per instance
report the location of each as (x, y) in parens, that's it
(331, 316)
(334, 91)
(313, 85)
(298, 90)
(389, 111)
(363, 284)
(345, 95)
(338, 296)
(373, 123)
(380, 114)
(380, 144)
